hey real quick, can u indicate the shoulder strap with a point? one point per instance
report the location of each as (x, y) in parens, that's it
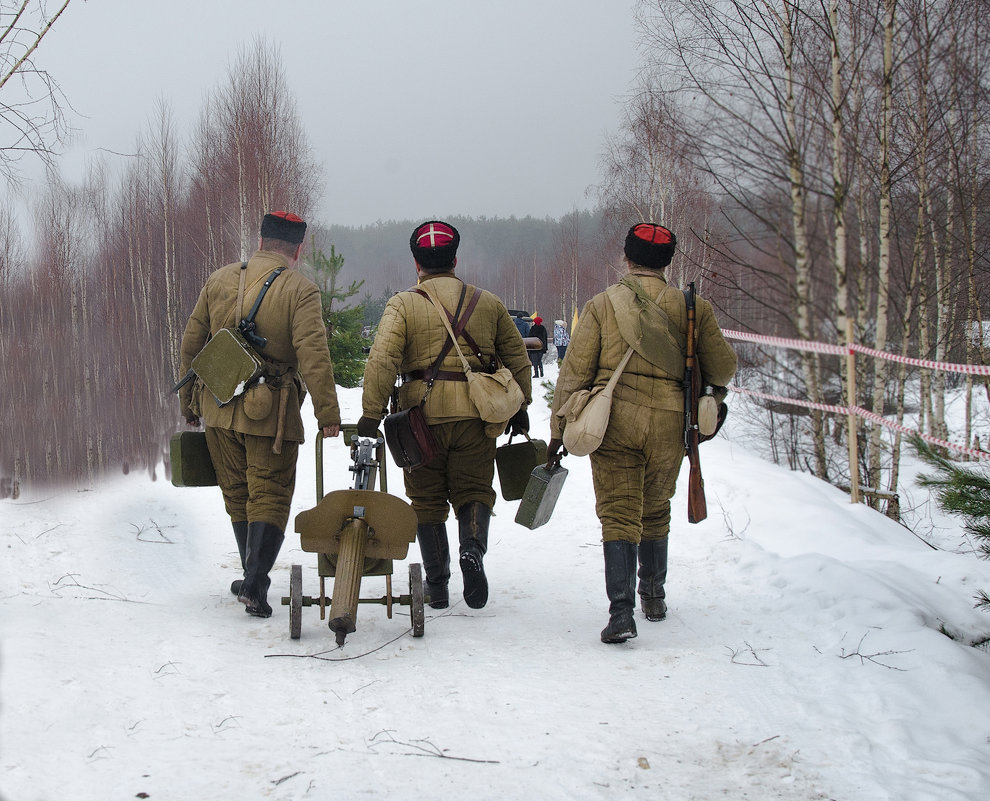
(247, 326)
(453, 332)
(460, 331)
(618, 370)
(264, 289)
(240, 291)
(239, 308)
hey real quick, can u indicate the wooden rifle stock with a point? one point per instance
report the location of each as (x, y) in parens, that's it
(697, 505)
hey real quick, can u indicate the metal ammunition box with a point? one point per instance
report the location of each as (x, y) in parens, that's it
(190, 460)
(515, 463)
(540, 496)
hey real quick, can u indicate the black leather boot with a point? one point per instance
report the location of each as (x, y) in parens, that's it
(264, 541)
(652, 575)
(472, 529)
(240, 534)
(432, 539)
(620, 585)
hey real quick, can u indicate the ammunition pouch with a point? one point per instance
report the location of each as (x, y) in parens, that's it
(258, 400)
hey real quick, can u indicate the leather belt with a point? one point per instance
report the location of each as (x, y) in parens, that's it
(442, 375)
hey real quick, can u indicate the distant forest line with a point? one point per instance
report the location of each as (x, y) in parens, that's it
(823, 166)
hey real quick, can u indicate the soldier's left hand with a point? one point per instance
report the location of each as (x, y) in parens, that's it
(518, 423)
(192, 420)
(329, 432)
(367, 427)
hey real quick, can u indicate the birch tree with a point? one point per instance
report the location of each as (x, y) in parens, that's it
(32, 118)
(255, 155)
(739, 70)
(648, 177)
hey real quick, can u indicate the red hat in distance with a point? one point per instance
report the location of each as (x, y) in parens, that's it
(283, 225)
(434, 245)
(538, 320)
(650, 245)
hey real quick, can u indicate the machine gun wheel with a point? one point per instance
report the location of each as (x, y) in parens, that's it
(295, 602)
(416, 611)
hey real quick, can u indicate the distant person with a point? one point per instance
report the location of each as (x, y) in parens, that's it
(408, 344)
(254, 439)
(635, 468)
(561, 339)
(539, 331)
(522, 323)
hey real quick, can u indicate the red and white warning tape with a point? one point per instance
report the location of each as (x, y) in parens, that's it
(971, 369)
(842, 350)
(791, 401)
(780, 342)
(866, 415)
(876, 418)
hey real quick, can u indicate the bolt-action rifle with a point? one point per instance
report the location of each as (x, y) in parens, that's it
(697, 506)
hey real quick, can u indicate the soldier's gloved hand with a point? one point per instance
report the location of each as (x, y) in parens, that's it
(553, 447)
(518, 423)
(367, 427)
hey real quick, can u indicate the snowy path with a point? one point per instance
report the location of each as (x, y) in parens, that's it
(126, 667)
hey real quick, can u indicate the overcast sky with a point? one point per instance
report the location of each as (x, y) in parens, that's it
(417, 108)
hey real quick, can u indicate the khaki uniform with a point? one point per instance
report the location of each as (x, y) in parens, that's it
(256, 482)
(635, 469)
(409, 339)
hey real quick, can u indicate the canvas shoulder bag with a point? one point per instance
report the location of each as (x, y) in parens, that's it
(496, 395)
(587, 412)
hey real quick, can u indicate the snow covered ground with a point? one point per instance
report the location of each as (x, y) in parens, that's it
(813, 650)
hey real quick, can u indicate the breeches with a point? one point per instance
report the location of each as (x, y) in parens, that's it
(257, 484)
(461, 473)
(635, 472)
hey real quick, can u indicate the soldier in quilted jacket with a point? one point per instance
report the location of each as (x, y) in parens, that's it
(409, 341)
(254, 439)
(635, 468)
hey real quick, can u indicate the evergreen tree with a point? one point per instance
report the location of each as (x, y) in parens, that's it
(960, 491)
(344, 322)
(375, 307)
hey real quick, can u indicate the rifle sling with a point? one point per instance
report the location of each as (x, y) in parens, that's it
(261, 295)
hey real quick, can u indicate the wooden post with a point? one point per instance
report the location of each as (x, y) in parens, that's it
(852, 422)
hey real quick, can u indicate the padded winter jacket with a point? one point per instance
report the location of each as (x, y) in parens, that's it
(409, 340)
(291, 318)
(597, 347)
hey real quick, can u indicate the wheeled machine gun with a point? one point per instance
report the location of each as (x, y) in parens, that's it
(356, 532)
